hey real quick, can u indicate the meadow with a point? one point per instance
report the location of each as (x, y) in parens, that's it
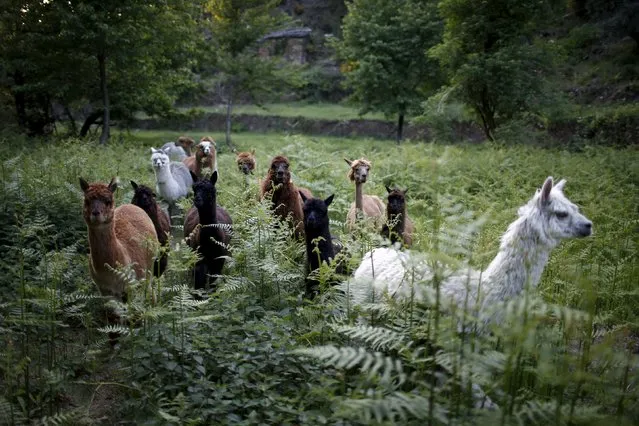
(256, 352)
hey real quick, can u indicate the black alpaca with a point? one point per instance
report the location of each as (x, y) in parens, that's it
(318, 236)
(402, 227)
(209, 241)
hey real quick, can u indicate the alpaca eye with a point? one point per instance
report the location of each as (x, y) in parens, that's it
(561, 215)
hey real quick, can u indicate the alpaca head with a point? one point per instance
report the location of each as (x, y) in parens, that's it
(554, 215)
(143, 197)
(205, 149)
(159, 158)
(359, 170)
(396, 200)
(246, 162)
(185, 142)
(204, 191)
(279, 171)
(315, 212)
(98, 202)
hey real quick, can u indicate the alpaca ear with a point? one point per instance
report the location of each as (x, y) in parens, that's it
(113, 185)
(253, 151)
(134, 185)
(165, 150)
(560, 185)
(388, 189)
(193, 176)
(329, 200)
(349, 162)
(545, 191)
(406, 191)
(214, 177)
(153, 150)
(84, 185)
(302, 196)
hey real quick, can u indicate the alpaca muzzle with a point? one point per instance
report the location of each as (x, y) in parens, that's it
(585, 229)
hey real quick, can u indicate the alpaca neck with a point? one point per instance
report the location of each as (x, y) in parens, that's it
(163, 175)
(208, 214)
(359, 195)
(521, 259)
(105, 246)
(325, 246)
(400, 224)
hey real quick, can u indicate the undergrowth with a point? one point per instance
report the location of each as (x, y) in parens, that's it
(255, 351)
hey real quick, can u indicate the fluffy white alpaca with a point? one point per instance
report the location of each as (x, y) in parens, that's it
(173, 179)
(175, 152)
(543, 222)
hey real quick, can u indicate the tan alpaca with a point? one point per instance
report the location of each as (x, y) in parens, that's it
(117, 237)
(205, 156)
(371, 206)
(187, 144)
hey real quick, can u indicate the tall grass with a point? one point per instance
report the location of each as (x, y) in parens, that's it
(255, 351)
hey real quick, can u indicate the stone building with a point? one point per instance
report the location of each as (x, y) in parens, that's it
(291, 44)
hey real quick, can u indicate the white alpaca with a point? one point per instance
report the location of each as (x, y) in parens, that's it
(543, 222)
(175, 152)
(173, 179)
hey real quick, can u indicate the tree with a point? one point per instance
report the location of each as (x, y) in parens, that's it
(236, 29)
(384, 48)
(492, 64)
(118, 56)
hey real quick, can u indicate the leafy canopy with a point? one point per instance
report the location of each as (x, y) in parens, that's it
(491, 60)
(383, 50)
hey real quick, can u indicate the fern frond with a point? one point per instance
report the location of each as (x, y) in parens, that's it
(114, 328)
(348, 357)
(396, 407)
(378, 338)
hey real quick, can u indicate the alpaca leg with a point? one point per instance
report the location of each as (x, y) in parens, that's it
(201, 275)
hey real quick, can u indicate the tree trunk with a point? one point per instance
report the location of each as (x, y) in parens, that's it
(400, 127)
(92, 118)
(19, 97)
(104, 137)
(229, 109)
(73, 127)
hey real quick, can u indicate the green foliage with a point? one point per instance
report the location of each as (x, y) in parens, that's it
(236, 29)
(56, 50)
(492, 63)
(254, 351)
(383, 51)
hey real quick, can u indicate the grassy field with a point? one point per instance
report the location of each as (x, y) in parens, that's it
(256, 352)
(318, 111)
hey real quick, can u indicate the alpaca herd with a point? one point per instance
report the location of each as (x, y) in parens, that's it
(130, 234)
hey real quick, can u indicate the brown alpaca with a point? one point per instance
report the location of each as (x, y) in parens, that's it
(205, 156)
(285, 196)
(398, 225)
(246, 161)
(187, 144)
(370, 205)
(144, 198)
(116, 237)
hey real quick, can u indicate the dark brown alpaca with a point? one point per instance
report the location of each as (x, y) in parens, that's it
(117, 237)
(285, 196)
(144, 198)
(398, 226)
